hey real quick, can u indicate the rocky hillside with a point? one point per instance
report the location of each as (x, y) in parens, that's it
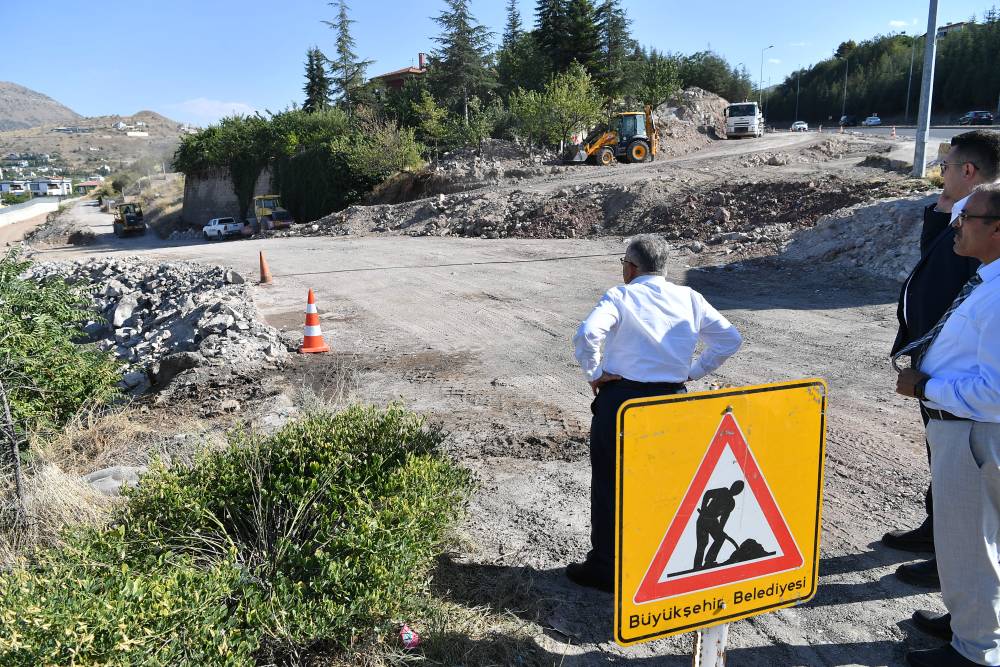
(22, 107)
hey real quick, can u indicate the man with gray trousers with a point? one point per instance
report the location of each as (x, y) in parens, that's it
(957, 380)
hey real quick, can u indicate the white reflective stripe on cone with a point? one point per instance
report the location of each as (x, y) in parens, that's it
(311, 308)
(313, 330)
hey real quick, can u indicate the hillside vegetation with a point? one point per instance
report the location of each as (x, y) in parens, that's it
(965, 77)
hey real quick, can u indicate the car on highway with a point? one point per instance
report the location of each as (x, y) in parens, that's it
(848, 121)
(799, 126)
(976, 118)
(871, 121)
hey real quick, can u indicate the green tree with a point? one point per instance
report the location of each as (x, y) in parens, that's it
(845, 48)
(432, 121)
(616, 44)
(660, 80)
(348, 71)
(529, 110)
(459, 67)
(581, 38)
(317, 88)
(572, 103)
(550, 31)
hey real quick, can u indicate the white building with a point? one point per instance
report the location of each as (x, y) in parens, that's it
(14, 187)
(51, 187)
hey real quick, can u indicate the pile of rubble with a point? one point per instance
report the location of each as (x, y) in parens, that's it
(690, 120)
(161, 320)
(881, 238)
(494, 163)
(185, 235)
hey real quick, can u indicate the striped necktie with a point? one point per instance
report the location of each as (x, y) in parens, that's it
(919, 346)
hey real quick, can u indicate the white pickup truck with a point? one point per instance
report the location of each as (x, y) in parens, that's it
(220, 228)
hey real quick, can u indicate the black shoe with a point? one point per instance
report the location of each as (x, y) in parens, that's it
(585, 574)
(933, 623)
(918, 540)
(923, 574)
(943, 656)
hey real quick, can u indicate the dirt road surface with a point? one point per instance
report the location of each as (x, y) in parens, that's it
(476, 334)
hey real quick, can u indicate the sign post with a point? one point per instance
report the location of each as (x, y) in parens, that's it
(718, 509)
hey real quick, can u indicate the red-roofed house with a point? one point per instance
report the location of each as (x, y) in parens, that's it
(395, 80)
(87, 186)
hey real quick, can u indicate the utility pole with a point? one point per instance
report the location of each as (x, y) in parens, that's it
(909, 81)
(760, 82)
(926, 94)
(798, 86)
(847, 64)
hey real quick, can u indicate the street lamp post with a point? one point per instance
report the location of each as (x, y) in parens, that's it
(760, 84)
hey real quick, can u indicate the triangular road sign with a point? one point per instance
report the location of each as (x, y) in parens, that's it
(727, 529)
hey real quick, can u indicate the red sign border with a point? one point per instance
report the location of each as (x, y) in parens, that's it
(728, 434)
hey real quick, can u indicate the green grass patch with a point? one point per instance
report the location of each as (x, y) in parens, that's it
(304, 543)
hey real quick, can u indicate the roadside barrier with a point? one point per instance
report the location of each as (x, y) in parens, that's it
(312, 337)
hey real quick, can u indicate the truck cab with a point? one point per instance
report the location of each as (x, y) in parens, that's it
(744, 119)
(270, 214)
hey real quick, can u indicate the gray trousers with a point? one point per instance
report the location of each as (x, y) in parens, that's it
(965, 475)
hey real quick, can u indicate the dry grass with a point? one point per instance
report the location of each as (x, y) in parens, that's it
(93, 440)
(54, 501)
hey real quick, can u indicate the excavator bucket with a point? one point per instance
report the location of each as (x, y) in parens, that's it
(576, 155)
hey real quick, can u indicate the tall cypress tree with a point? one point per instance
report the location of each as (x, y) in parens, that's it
(317, 88)
(512, 30)
(348, 71)
(459, 67)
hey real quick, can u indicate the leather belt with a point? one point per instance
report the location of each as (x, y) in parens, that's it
(942, 415)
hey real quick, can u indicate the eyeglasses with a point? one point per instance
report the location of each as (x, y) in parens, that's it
(944, 165)
(964, 217)
(625, 261)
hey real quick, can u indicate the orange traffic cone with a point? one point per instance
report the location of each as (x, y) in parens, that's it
(893, 135)
(265, 271)
(312, 338)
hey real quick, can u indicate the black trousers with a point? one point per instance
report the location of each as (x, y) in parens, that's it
(603, 448)
(927, 527)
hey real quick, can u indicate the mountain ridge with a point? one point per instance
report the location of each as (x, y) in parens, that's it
(22, 108)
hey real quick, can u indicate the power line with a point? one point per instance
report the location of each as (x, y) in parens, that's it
(443, 266)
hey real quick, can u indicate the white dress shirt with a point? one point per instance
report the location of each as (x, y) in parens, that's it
(650, 328)
(964, 359)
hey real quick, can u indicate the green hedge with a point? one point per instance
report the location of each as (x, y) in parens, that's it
(303, 542)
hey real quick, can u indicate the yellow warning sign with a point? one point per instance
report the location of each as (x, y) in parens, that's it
(718, 514)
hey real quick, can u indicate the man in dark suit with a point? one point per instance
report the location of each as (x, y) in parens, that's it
(929, 290)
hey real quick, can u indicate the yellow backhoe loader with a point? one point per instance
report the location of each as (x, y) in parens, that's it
(629, 136)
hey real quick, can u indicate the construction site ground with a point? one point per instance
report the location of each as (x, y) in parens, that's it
(476, 334)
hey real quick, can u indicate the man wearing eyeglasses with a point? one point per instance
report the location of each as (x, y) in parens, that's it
(958, 383)
(649, 329)
(935, 281)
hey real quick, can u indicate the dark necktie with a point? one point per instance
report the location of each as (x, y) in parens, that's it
(919, 346)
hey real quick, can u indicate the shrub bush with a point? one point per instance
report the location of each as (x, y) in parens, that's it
(306, 541)
(47, 376)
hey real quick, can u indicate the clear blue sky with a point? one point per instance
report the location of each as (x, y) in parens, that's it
(197, 60)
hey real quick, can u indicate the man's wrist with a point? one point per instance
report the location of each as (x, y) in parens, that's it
(920, 388)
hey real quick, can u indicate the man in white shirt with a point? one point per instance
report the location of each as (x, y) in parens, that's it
(958, 382)
(649, 329)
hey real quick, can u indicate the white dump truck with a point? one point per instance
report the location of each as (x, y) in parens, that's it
(744, 119)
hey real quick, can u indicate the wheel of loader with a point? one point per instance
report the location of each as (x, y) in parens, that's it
(638, 152)
(605, 156)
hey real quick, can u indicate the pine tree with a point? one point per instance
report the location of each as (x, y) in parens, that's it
(317, 88)
(582, 41)
(348, 71)
(459, 67)
(616, 44)
(513, 30)
(550, 32)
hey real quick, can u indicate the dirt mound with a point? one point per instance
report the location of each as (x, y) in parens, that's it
(881, 238)
(689, 121)
(496, 162)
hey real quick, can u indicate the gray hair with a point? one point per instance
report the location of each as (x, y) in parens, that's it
(649, 253)
(990, 192)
